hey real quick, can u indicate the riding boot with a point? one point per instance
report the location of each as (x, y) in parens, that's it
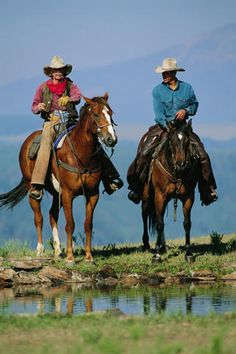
(36, 191)
(110, 176)
(206, 184)
(41, 164)
(134, 183)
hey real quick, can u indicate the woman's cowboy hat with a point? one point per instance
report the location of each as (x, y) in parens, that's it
(57, 63)
(168, 64)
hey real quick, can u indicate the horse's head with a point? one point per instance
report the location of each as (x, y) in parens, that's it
(101, 117)
(178, 138)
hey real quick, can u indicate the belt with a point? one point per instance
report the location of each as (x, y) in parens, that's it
(61, 114)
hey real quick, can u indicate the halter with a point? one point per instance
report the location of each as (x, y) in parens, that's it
(95, 118)
(168, 171)
(186, 164)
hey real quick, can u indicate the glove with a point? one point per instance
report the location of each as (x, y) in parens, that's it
(62, 101)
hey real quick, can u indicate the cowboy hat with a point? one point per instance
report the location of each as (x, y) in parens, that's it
(57, 63)
(168, 64)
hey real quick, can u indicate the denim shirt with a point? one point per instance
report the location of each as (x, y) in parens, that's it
(167, 102)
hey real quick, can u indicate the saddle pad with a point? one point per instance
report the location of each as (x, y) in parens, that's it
(60, 138)
(33, 150)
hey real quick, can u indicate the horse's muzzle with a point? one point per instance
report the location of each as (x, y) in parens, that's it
(181, 166)
(111, 142)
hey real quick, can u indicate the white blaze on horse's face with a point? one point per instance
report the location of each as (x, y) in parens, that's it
(109, 124)
(180, 136)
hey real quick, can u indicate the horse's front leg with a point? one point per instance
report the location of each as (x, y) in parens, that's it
(53, 216)
(187, 207)
(38, 221)
(160, 205)
(146, 245)
(67, 199)
(91, 201)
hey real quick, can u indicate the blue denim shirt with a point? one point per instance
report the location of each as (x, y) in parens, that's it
(167, 102)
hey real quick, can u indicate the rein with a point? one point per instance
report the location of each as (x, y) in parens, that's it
(77, 170)
(155, 157)
(171, 177)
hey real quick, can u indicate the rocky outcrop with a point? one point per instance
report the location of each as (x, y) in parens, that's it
(28, 272)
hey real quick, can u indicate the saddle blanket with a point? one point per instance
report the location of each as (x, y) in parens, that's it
(33, 150)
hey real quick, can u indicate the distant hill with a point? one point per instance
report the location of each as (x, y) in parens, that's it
(116, 218)
(209, 62)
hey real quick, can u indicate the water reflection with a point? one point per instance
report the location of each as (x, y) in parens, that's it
(74, 299)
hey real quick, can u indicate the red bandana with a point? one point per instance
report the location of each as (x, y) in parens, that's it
(58, 88)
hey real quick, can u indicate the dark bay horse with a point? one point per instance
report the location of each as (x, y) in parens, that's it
(75, 169)
(173, 174)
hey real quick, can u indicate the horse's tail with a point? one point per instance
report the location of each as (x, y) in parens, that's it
(152, 220)
(151, 212)
(15, 196)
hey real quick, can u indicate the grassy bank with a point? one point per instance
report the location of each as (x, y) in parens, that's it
(215, 253)
(114, 333)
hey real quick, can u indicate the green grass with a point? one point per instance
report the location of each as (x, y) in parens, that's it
(111, 333)
(119, 260)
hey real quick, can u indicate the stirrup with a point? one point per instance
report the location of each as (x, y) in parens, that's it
(134, 197)
(212, 197)
(116, 184)
(113, 185)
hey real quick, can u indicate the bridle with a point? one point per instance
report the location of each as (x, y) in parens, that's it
(96, 118)
(179, 168)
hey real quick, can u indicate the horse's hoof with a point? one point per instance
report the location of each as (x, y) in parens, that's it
(70, 263)
(146, 248)
(40, 250)
(156, 258)
(162, 249)
(58, 254)
(89, 260)
(190, 258)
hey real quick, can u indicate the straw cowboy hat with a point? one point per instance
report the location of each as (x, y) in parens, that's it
(57, 63)
(168, 64)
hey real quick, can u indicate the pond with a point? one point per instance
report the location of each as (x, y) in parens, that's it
(139, 300)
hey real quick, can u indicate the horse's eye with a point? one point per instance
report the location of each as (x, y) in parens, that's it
(96, 115)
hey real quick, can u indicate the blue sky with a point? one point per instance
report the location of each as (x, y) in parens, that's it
(95, 33)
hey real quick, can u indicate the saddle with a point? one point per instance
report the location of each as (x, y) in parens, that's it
(61, 132)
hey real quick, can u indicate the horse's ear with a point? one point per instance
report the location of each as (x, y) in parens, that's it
(190, 123)
(106, 96)
(87, 100)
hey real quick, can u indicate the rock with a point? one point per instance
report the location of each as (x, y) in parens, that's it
(55, 275)
(231, 276)
(130, 279)
(155, 278)
(7, 275)
(26, 265)
(110, 281)
(24, 277)
(202, 275)
(107, 271)
(78, 278)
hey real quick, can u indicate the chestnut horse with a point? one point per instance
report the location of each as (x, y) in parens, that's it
(74, 170)
(173, 174)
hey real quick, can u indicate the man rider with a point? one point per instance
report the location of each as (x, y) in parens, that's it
(172, 100)
(56, 99)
